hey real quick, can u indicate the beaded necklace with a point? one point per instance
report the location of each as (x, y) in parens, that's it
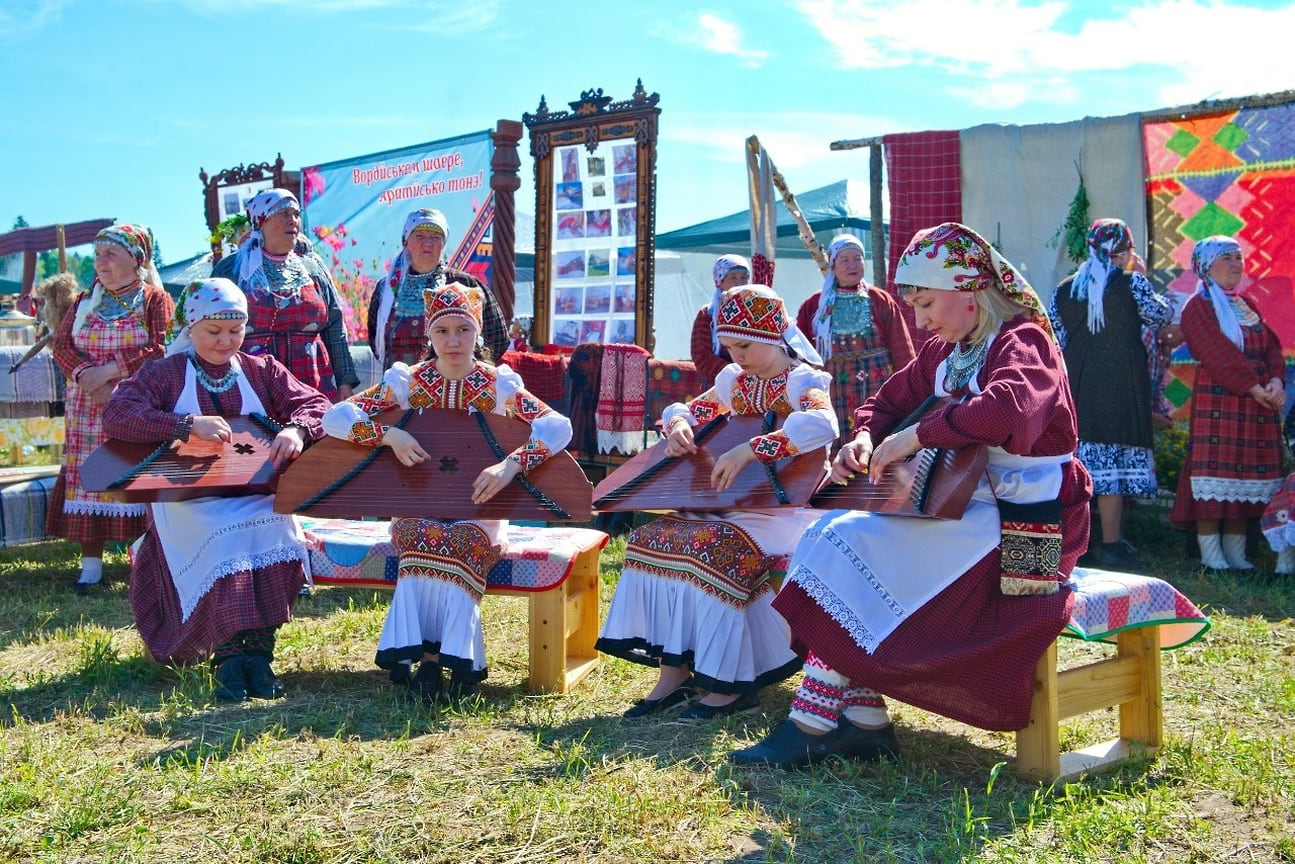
(963, 364)
(284, 276)
(119, 305)
(213, 385)
(409, 300)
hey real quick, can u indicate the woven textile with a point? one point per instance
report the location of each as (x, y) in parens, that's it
(353, 552)
(622, 399)
(22, 510)
(923, 174)
(545, 375)
(1229, 173)
(35, 381)
(671, 381)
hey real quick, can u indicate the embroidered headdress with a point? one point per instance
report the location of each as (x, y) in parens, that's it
(953, 257)
(756, 314)
(724, 264)
(1106, 237)
(827, 297)
(466, 301)
(203, 300)
(261, 207)
(1204, 254)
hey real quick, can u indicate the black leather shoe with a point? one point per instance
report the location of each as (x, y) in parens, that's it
(399, 675)
(788, 747)
(261, 682)
(231, 680)
(866, 745)
(84, 589)
(677, 696)
(701, 711)
(426, 681)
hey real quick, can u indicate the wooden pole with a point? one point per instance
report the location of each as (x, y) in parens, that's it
(61, 238)
(505, 182)
(879, 270)
(807, 237)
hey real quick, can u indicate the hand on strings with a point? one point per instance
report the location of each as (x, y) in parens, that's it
(494, 478)
(852, 459)
(897, 447)
(211, 428)
(287, 445)
(680, 440)
(728, 466)
(405, 446)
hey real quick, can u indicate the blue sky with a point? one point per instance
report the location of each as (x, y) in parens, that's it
(109, 108)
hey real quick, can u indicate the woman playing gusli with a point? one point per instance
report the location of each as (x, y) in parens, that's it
(216, 577)
(106, 335)
(694, 597)
(435, 615)
(948, 615)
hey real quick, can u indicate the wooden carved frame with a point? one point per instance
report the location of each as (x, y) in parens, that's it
(593, 120)
(272, 171)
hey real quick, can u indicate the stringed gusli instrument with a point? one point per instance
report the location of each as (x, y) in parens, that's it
(651, 480)
(341, 479)
(933, 483)
(179, 470)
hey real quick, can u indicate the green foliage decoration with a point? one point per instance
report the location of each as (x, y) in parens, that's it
(1074, 231)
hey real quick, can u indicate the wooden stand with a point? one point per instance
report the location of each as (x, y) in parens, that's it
(1130, 680)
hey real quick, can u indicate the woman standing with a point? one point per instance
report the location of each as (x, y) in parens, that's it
(708, 355)
(1234, 457)
(694, 597)
(1098, 315)
(435, 614)
(293, 313)
(931, 611)
(104, 338)
(859, 330)
(216, 577)
(396, 327)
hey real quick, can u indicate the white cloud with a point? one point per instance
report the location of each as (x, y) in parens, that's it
(1006, 52)
(21, 18)
(715, 34)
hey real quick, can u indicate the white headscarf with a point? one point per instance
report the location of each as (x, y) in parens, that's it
(827, 297)
(261, 207)
(397, 272)
(1203, 257)
(204, 299)
(723, 264)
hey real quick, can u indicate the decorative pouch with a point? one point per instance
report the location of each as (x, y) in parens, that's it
(1031, 548)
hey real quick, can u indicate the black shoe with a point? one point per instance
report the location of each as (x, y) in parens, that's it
(789, 747)
(1119, 557)
(261, 682)
(231, 680)
(426, 682)
(400, 675)
(866, 745)
(701, 711)
(677, 696)
(84, 589)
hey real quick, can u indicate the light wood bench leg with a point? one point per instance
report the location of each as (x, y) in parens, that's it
(564, 627)
(1129, 680)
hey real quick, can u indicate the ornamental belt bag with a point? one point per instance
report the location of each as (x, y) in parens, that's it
(1030, 547)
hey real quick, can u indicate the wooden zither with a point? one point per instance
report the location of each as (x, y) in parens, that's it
(933, 483)
(179, 470)
(337, 478)
(654, 481)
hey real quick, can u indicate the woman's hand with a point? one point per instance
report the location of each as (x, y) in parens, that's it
(1271, 395)
(899, 446)
(1170, 335)
(679, 441)
(209, 428)
(1135, 263)
(100, 395)
(344, 392)
(94, 377)
(853, 458)
(728, 466)
(287, 445)
(405, 446)
(494, 478)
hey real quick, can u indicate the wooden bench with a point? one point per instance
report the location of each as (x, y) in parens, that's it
(1139, 615)
(556, 568)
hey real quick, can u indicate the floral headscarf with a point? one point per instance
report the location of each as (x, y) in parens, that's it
(425, 218)
(138, 241)
(1106, 237)
(757, 314)
(723, 265)
(827, 297)
(261, 207)
(953, 257)
(1204, 254)
(205, 299)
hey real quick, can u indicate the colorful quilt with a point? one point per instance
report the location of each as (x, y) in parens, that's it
(354, 552)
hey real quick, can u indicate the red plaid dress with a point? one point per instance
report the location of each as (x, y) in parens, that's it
(1234, 459)
(291, 329)
(74, 514)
